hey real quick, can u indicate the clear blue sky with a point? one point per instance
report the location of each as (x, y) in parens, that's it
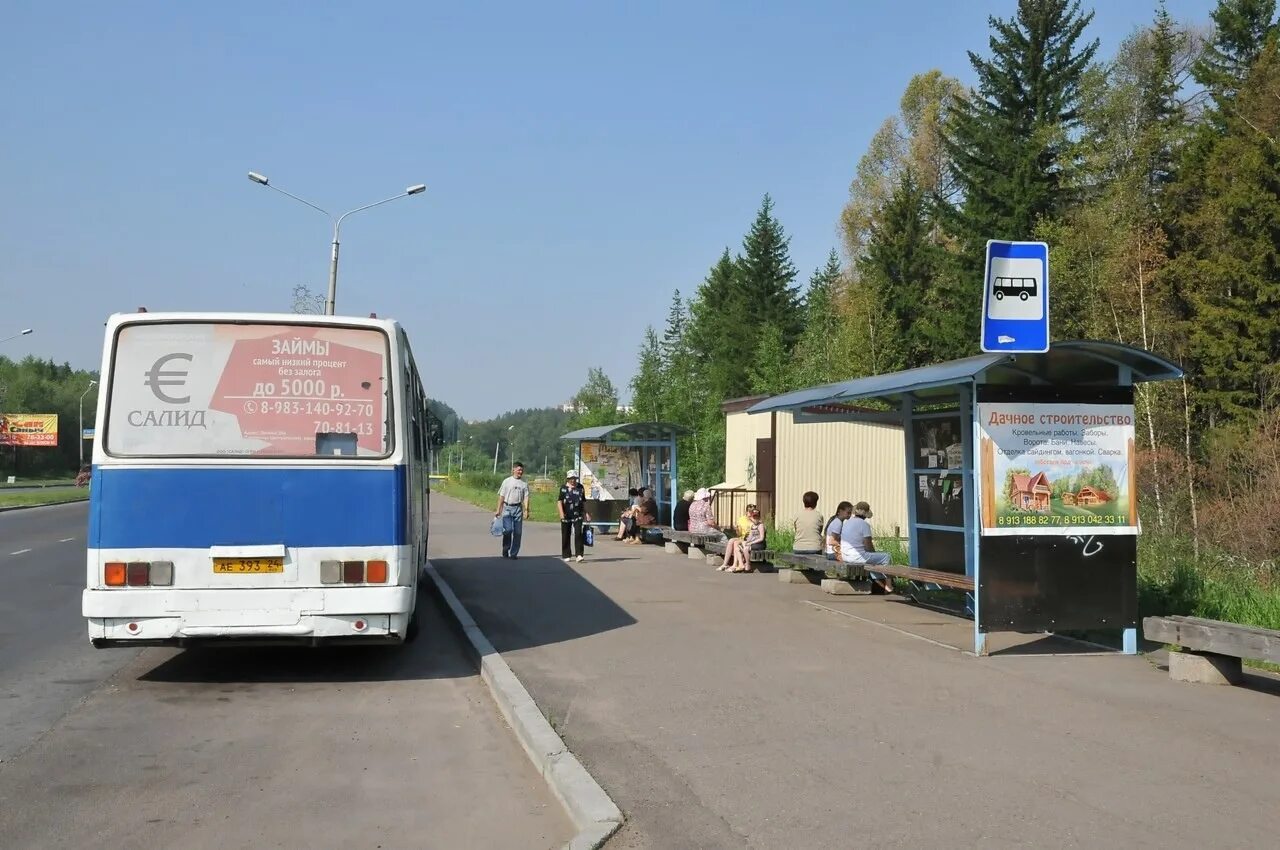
(583, 161)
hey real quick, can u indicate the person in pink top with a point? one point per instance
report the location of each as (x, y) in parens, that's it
(702, 518)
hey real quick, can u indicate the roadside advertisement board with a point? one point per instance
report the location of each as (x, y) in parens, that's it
(1057, 469)
(29, 429)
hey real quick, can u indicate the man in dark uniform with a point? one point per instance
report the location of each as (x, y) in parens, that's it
(572, 507)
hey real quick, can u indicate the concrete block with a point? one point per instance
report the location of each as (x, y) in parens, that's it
(696, 554)
(671, 547)
(714, 560)
(792, 577)
(1204, 668)
(840, 587)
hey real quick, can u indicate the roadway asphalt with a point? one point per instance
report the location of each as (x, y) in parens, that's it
(344, 747)
(728, 710)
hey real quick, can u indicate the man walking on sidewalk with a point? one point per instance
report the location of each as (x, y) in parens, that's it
(572, 506)
(513, 507)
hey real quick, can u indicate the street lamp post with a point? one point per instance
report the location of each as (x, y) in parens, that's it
(22, 332)
(92, 384)
(337, 225)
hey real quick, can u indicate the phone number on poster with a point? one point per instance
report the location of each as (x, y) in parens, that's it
(311, 408)
(1028, 521)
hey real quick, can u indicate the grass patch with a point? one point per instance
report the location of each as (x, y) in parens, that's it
(36, 482)
(542, 506)
(28, 500)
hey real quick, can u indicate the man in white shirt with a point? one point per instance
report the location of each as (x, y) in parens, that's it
(513, 507)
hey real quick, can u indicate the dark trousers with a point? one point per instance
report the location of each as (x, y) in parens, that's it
(570, 528)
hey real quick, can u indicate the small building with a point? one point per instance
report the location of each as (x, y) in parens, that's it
(1091, 496)
(1030, 492)
(1068, 498)
(841, 454)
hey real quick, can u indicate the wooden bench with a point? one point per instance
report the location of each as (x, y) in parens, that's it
(1211, 650)
(915, 575)
(715, 553)
(687, 542)
(795, 568)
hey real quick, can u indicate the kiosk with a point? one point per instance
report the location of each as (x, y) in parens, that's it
(612, 459)
(1021, 474)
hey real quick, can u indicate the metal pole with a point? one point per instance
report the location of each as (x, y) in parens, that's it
(82, 395)
(333, 272)
(496, 446)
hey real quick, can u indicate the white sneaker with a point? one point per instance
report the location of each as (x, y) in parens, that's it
(568, 560)
(579, 559)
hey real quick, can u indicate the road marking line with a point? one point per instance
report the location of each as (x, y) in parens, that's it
(20, 552)
(887, 626)
(66, 540)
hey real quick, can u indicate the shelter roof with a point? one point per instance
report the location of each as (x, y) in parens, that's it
(1078, 363)
(629, 432)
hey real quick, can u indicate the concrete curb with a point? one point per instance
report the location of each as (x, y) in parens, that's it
(593, 812)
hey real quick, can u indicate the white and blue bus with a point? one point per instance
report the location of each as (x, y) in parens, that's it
(256, 478)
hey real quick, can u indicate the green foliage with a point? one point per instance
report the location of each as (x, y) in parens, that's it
(766, 277)
(596, 402)
(769, 370)
(647, 394)
(52, 497)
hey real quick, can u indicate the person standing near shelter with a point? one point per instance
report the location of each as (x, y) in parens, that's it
(572, 507)
(513, 507)
(856, 545)
(808, 527)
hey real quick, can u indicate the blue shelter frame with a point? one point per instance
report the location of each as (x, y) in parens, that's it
(949, 393)
(659, 437)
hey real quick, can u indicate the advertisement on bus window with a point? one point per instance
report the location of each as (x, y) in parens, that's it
(201, 389)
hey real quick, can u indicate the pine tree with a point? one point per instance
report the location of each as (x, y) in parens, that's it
(819, 356)
(900, 264)
(1011, 144)
(647, 384)
(769, 370)
(1241, 29)
(766, 282)
(715, 331)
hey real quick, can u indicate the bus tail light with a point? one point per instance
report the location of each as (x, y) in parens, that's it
(161, 573)
(113, 574)
(353, 572)
(139, 573)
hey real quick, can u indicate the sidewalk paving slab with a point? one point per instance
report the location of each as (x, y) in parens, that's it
(727, 710)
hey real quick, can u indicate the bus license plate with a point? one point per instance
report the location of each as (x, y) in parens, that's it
(248, 565)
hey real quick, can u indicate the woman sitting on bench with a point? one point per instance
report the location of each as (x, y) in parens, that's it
(737, 552)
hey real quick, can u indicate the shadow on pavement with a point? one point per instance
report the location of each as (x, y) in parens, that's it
(436, 654)
(531, 602)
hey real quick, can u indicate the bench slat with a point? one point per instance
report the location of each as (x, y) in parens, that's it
(1214, 636)
(954, 580)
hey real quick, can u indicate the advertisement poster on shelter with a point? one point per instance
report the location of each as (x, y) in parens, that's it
(28, 429)
(608, 471)
(1057, 469)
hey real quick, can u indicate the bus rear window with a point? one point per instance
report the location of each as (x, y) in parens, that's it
(206, 389)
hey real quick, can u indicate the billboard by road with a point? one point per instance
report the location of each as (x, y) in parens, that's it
(28, 429)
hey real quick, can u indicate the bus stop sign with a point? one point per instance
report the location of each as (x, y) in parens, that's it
(1015, 298)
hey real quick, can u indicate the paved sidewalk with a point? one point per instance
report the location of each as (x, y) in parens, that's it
(727, 711)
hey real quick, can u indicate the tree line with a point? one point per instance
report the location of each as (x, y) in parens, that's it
(1154, 176)
(32, 385)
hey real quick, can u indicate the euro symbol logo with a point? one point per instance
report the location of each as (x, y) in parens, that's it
(159, 377)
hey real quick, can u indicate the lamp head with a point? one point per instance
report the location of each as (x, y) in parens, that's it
(415, 190)
(25, 331)
(258, 178)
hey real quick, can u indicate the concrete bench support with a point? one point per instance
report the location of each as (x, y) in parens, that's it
(1204, 668)
(840, 587)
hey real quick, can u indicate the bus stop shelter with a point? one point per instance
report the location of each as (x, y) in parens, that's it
(1021, 474)
(612, 459)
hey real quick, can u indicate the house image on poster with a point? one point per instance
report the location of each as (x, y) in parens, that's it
(1091, 496)
(1030, 493)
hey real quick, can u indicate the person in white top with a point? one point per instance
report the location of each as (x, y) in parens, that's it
(513, 507)
(831, 538)
(856, 545)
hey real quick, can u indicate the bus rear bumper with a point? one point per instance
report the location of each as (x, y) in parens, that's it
(137, 617)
